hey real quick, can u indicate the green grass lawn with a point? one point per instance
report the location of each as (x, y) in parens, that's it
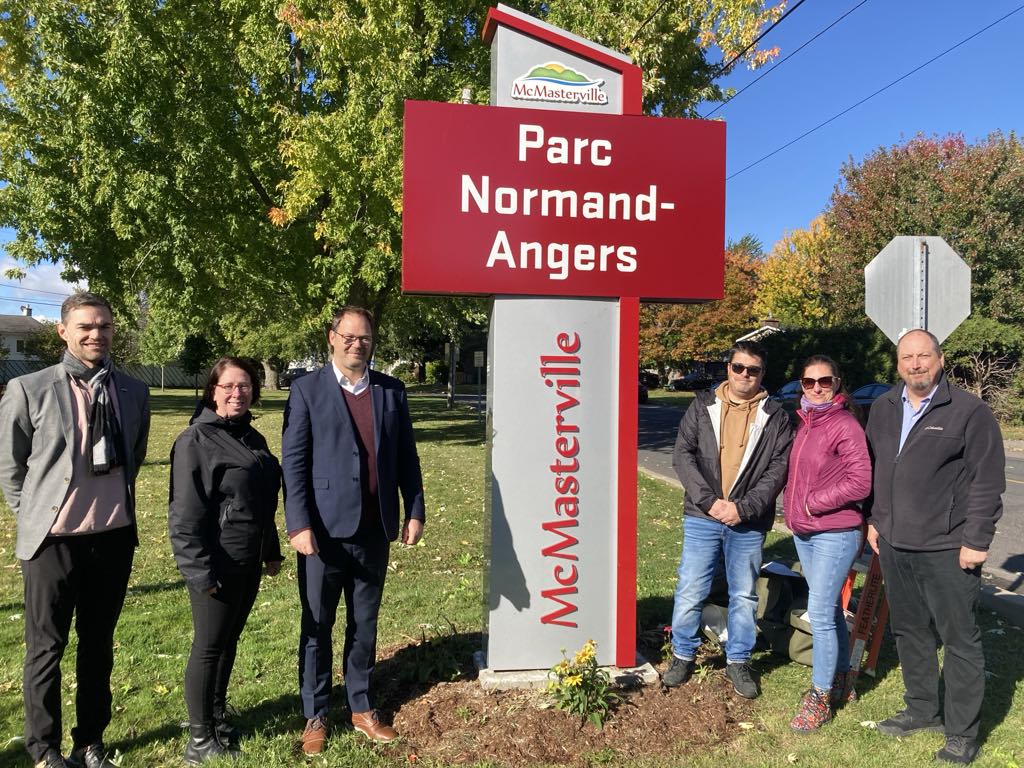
(431, 588)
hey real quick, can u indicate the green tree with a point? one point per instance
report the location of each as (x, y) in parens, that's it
(45, 346)
(238, 163)
(971, 195)
(984, 356)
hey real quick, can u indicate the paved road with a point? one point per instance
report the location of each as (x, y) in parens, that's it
(1005, 566)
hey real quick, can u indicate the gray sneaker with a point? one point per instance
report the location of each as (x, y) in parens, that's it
(905, 724)
(742, 678)
(678, 672)
(958, 749)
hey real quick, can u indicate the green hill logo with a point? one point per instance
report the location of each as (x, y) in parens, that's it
(555, 81)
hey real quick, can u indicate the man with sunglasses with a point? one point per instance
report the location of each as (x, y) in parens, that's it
(347, 452)
(939, 476)
(731, 456)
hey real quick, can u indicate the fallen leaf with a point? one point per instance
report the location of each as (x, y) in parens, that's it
(746, 726)
(868, 724)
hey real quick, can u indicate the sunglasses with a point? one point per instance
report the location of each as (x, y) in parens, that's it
(752, 370)
(825, 382)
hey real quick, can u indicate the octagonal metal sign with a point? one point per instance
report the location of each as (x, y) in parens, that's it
(917, 282)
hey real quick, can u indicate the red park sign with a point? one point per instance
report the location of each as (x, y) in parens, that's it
(538, 202)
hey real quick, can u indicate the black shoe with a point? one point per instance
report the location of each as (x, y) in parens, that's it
(905, 724)
(678, 672)
(742, 678)
(203, 745)
(958, 749)
(90, 756)
(227, 734)
(52, 759)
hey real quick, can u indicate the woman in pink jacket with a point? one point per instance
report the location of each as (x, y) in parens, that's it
(829, 474)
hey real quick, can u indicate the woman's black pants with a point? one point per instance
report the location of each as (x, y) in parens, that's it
(217, 623)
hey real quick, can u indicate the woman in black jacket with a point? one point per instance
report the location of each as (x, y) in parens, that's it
(224, 488)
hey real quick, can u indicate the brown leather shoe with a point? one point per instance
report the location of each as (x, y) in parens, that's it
(314, 736)
(369, 724)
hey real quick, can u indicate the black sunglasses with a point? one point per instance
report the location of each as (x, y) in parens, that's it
(825, 382)
(752, 370)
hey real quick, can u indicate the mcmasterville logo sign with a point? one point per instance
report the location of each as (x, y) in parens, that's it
(502, 200)
(555, 81)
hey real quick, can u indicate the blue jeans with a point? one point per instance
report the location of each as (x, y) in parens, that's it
(704, 542)
(826, 559)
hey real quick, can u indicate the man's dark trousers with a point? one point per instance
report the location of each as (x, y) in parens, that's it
(927, 587)
(85, 576)
(355, 568)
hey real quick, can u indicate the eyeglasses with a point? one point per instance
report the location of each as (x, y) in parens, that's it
(825, 382)
(229, 388)
(348, 340)
(752, 370)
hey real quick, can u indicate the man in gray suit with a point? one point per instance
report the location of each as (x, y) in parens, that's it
(72, 439)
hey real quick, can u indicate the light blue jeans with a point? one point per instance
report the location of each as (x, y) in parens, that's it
(704, 542)
(826, 559)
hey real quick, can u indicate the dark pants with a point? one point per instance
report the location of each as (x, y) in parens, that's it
(85, 577)
(217, 623)
(930, 593)
(353, 567)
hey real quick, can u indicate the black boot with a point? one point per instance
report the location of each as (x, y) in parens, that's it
(227, 734)
(203, 744)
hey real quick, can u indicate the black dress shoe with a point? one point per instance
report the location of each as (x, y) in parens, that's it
(90, 756)
(52, 759)
(203, 745)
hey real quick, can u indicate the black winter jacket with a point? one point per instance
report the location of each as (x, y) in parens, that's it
(944, 489)
(697, 461)
(223, 496)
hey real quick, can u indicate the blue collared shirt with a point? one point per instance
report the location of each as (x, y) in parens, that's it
(910, 416)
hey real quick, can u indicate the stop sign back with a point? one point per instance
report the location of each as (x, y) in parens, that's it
(917, 282)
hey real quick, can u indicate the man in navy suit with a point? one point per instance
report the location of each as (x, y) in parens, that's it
(347, 451)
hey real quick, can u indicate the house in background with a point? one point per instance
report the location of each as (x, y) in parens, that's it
(15, 330)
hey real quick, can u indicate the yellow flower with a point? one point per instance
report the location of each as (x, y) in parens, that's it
(573, 680)
(586, 654)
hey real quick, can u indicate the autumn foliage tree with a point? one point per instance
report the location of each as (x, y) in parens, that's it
(793, 278)
(673, 334)
(971, 195)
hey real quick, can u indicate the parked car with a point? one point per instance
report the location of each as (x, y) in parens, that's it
(691, 382)
(287, 377)
(864, 396)
(650, 380)
(789, 393)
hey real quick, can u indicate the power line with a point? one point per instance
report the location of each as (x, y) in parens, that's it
(757, 39)
(868, 98)
(783, 60)
(33, 290)
(33, 301)
(724, 67)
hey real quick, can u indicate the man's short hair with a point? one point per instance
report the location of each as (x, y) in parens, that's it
(81, 299)
(929, 334)
(751, 348)
(351, 309)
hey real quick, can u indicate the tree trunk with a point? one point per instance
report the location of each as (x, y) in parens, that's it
(269, 375)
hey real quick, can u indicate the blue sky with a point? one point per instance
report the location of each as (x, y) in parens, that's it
(974, 90)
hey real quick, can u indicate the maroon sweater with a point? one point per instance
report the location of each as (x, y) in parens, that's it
(360, 408)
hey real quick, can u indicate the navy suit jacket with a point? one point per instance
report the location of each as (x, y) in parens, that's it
(320, 457)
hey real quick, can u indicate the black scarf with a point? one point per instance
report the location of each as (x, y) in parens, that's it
(104, 438)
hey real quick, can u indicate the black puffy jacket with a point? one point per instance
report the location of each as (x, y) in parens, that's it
(223, 496)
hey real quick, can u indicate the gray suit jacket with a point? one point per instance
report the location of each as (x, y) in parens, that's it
(36, 439)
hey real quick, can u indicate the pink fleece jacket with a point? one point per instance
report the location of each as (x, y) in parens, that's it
(829, 471)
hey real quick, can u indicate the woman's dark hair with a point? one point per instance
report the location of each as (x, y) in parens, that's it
(848, 403)
(218, 369)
